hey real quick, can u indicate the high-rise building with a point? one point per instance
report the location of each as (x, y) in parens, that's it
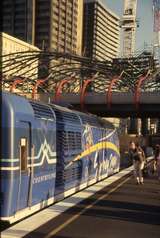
(18, 19)
(48, 24)
(59, 25)
(101, 31)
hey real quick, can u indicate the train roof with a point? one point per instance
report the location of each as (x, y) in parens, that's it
(15, 103)
(42, 110)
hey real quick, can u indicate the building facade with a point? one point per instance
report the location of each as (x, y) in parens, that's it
(23, 65)
(18, 19)
(101, 31)
(12, 44)
(59, 25)
(48, 24)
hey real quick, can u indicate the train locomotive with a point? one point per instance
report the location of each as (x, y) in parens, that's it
(50, 152)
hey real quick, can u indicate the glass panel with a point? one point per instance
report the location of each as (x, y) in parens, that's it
(23, 153)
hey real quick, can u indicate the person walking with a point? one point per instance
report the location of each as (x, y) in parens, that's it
(138, 157)
(157, 160)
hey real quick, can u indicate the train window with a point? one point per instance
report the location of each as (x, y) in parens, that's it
(23, 154)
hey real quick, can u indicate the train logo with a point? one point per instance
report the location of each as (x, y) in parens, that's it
(45, 152)
(87, 137)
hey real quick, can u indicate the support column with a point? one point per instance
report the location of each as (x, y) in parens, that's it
(145, 126)
(158, 126)
(133, 127)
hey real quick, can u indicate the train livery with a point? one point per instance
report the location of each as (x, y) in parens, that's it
(50, 152)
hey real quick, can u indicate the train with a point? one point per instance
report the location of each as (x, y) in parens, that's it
(48, 153)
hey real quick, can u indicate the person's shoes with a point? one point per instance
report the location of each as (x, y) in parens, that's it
(141, 183)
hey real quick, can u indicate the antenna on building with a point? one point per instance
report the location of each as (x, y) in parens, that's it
(129, 24)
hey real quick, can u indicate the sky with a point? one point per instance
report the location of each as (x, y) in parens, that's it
(144, 35)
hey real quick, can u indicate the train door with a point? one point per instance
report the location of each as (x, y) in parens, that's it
(25, 165)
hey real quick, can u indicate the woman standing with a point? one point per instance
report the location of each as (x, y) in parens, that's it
(138, 157)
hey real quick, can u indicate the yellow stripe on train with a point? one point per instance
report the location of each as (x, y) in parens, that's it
(98, 146)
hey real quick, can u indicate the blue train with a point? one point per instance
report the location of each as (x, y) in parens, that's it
(50, 152)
